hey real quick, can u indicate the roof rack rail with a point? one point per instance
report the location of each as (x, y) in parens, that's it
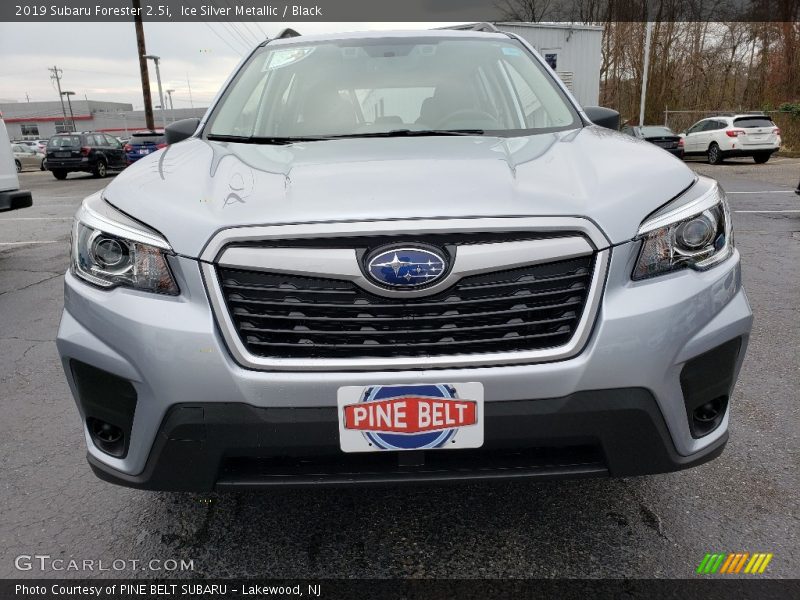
(485, 27)
(286, 33)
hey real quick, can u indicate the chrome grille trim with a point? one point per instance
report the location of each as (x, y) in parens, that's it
(289, 231)
(246, 359)
(343, 263)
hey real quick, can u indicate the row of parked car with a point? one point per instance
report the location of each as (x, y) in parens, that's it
(92, 152)
(717, 138)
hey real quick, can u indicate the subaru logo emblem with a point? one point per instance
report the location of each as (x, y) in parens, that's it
(406, 267)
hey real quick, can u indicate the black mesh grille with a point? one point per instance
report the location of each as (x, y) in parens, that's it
(290, 316)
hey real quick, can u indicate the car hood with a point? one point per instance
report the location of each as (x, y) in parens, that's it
(192, 189)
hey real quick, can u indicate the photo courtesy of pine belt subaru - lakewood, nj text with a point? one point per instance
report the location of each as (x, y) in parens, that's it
(395, 257)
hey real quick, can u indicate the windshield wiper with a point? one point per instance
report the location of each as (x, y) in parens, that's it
(240, 139)
(375, 134)
(408, 133)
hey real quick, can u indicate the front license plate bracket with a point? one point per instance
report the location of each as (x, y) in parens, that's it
(410, 419)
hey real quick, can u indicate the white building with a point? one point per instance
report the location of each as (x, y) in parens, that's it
(573, 51)
(40, 120)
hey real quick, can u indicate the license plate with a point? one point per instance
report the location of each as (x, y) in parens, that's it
(378, 418)
(63, 154)
(144, 151)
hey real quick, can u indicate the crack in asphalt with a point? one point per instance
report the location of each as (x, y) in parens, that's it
(30, 285)
(647, 514)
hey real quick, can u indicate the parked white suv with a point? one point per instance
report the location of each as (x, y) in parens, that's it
(728, 136)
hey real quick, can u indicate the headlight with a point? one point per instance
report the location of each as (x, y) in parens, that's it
(109, 250)
(696, 235)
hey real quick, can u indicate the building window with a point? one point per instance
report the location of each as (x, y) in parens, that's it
(63, 127)
(30, 130)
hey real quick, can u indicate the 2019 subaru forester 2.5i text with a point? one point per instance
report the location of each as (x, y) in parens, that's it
(401, 256)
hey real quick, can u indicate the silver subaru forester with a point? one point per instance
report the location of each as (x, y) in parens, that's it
(398, 257)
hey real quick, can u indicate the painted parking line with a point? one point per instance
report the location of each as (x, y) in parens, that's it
(38, 219)
(764, 192)
(767, 211)
(24, 243)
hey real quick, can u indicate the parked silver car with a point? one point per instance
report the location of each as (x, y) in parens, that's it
(27, 157)
(399, 257)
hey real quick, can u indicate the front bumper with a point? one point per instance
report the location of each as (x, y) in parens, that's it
(237, 446)
(618, 403)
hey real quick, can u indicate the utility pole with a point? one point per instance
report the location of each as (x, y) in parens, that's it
(647, 37)
(169, 93)
(156, 59)
(71, 115)
(148, 103)
(57, 77)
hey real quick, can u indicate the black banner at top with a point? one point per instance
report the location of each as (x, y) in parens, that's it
(579, 11)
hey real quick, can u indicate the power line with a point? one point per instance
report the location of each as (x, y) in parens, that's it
(247, 42)
(244, 27)
(236, 36)
(263, 33)
(253, 34)
(117, 74)
(214, 31)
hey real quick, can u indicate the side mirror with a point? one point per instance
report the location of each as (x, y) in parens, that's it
(181, 130)
(604, 117)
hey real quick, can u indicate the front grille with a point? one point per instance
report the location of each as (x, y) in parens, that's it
(288, 316)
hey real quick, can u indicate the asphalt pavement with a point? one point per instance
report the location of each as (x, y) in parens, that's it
(659, 526)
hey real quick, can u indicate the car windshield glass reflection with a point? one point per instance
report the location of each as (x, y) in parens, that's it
(387, 86)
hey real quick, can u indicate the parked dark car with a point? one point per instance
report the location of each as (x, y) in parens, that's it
(661, 136)
(143, 143)
(89, 152)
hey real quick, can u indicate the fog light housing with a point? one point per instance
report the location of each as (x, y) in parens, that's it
(707, 417)
(707, 382)
(107, 437)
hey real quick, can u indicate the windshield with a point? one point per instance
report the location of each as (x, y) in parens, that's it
(652, 131)
(64, 141)
(748, 122)
(374, 86)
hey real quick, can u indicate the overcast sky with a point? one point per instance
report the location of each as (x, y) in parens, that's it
(99, 59)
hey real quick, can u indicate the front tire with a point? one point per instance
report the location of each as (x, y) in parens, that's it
(761, 157)
(714, 155)
(18, 165)
(100, 169)
(60, 174)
